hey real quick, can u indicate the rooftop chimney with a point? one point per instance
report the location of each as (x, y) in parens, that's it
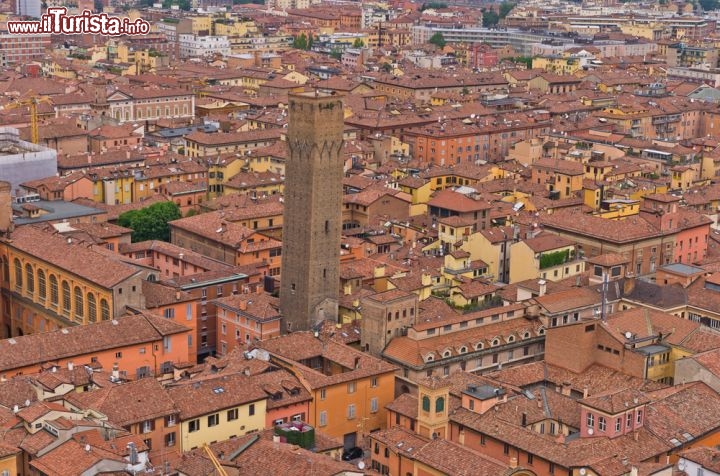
(543, 287)
(629, 284)
(70, 365)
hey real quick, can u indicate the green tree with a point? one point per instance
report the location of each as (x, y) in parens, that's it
(300, 42)
(151, 223)
(336, 53)
(358, 43)
(386, 67)
(310, 42)
(490, 18)
(526, 60)
(438, 39)
(433, 6)
(505, 8)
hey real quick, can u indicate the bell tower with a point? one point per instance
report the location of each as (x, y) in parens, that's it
(433, 399)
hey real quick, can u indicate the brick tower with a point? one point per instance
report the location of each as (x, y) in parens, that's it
(312, 220)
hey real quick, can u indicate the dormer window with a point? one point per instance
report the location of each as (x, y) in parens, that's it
(447, 354)
(479, 346)
(429, 358)
(463, 350)
(495, 342)
(526, 335)
(511, 339)
(590, 420)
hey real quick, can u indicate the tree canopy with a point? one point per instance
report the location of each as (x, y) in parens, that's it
(358, 43)
(433, 6)
(438, 39)
(150, 223)
(505, 8)
(303, 42)
(490, 18)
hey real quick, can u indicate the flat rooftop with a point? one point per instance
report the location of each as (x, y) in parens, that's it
(53, 211)
(682, 269)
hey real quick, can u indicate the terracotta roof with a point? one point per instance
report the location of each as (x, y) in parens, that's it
(616, 401)
(452, 458)
(258, 455)
(569, 299)
(33, 349)
(450, 200)
(300, 346)
(258, 307)
(615, 231)
(128, 403)
(414, 352)
(77, 258)
(199, 397)
(71, 457)
(547, 242)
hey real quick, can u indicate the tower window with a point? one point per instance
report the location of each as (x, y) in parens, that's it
(292, 287)
(324, 273)
(327, 226)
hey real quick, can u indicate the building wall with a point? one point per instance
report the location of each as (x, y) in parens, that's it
(225, 429)
(498, 450)
(28, 312)
(691, 244)
(129, 358)
(395, 461)
(233, 330)
(287, 413)
(184, 313)
(689, 370)
(337, 398)
(154, 432)
(381, 321)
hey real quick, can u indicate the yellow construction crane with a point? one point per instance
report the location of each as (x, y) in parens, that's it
(31, 101)
(218, 467)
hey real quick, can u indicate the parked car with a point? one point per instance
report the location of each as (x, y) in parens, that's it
(352, 453)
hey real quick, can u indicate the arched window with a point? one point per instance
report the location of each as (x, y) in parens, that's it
(526, 335)
(463, 349)
(92, 308)
(429, 358)
(42, 286)
(104, 310)
(511, 339)
(479, 346)
(30, 278)
(541, 331)
(18, 275)
(79, 307)
(446, 354)
(440, 405)
(426, 403)
(66, 296)
(495, 342)
(53, 290)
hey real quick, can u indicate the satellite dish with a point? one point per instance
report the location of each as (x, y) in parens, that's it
(590, 432)
(361, 465)
(628, 335)
(681, 464)
(583, 471)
